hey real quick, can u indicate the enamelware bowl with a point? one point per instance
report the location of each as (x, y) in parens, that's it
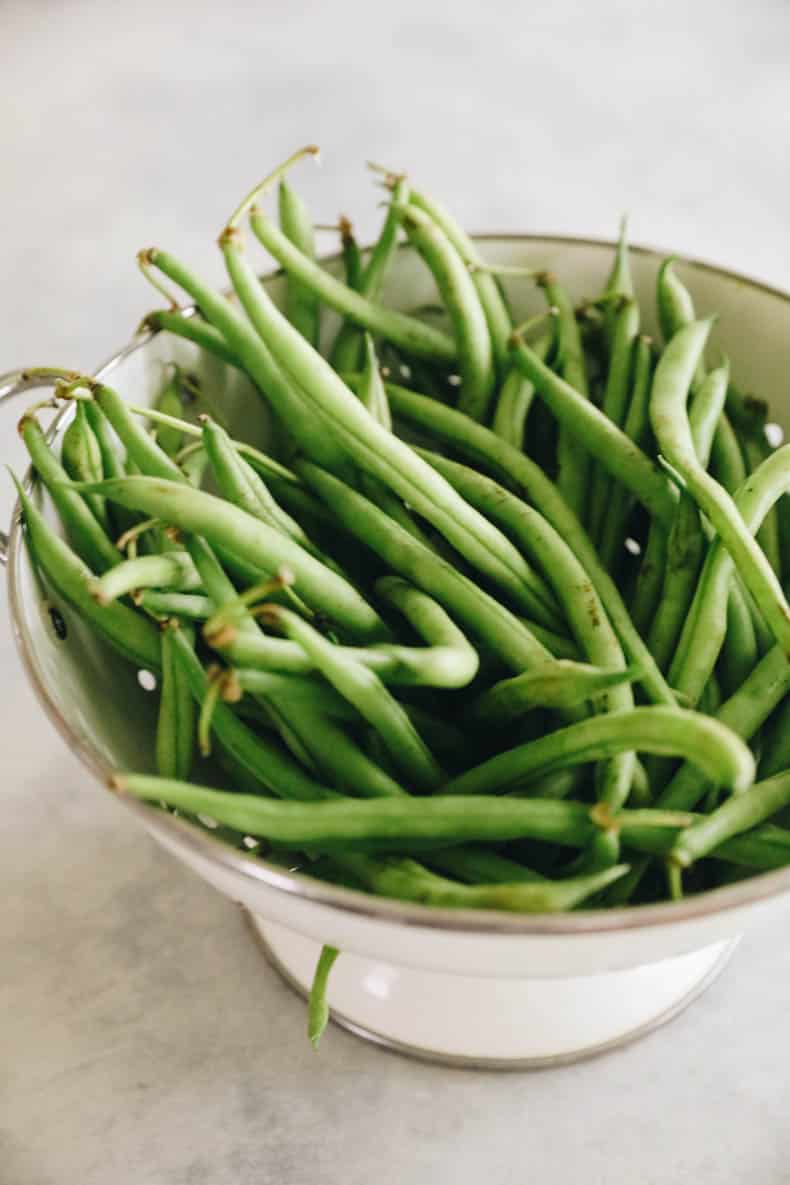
(471, 988)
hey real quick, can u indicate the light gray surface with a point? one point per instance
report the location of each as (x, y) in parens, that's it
(142, 1038)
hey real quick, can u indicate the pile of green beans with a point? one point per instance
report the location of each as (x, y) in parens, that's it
(527, 583)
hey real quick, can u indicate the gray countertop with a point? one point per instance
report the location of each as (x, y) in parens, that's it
(143, 1039)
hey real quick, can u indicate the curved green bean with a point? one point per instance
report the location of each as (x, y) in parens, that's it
(301, 305)
(411, 335)
(763, 801)
(464, 308)
(192, 328)
(671, 426)
(744, 712)
(488, 290)
(702, 637)
(317, 1006)
(671, 732)
(407, 880)
(173, 570)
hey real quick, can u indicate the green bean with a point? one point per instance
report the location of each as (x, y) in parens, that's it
(739, 652)
(111, 461)
(705, 411)
(673, 303)
(147, 453)
(464, 308)
(175, 729)
(705, 628)
(671, 426)
(301, 304)
(672, 732)
(168, 400)
(404, 331)
(474, 865)
(346, 353)
(189, 606)
(776, 754)
(447, 661)
(515, 398)
(371, 386)
(317, 1007)
(636, 428)
(283, 394)
(85, 533)
(314, 740)
(272, 769)
(619, 282)
(407, 880)
(351, 821)
(381, 454)
(567, 685)
(362, 688)
(193, 328)
(505, 635)
(726, 458)
(306, 691)
(685, 549)
(173, 570)
(242, 485)
(768, 539)
(335, 755)
(738, 814)
(488, 291)
(763, 848)
(352, 256)
(573, 461)
(556, 644)
(676, 310)
(483, 447)
(563, 783)
(581, 603)
(254, 542)
(615, 402)
(744, 712)
(81, 457)
(595, 433)
(127, 631)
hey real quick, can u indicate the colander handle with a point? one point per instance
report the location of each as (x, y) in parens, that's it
(16, 382)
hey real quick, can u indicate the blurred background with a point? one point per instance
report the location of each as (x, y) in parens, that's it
(142, 1039)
